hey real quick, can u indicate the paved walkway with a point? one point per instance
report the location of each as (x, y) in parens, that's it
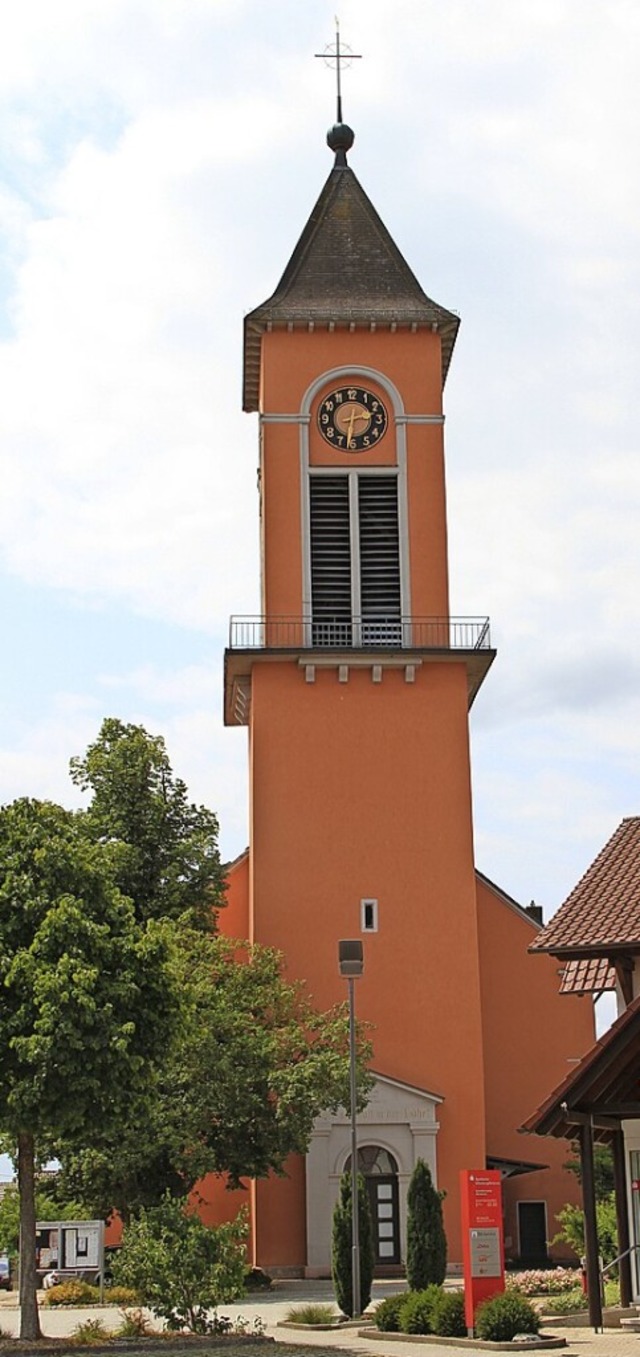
(273, 1306)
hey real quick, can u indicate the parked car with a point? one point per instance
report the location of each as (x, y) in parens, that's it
(5, 1273)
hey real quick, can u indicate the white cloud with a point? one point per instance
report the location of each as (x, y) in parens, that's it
(162, 157)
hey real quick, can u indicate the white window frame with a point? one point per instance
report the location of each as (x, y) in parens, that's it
(368, 901)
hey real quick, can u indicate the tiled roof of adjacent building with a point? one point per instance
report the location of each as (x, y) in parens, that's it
(346, 269)
(592, 975)
(602, 913)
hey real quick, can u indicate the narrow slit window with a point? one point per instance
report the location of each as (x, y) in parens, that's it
(369, 916)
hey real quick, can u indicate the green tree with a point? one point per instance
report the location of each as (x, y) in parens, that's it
(341, 1255)
(603, 1173)
(426, 1239)
(274, 1064)
(48, 1206)
(167, 860)
(571, 1221)
(86, 1001)
(180, 1267)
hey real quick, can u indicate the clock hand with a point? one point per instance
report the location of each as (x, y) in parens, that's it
(350, 429)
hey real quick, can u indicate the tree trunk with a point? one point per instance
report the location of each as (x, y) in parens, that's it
(29, 1317)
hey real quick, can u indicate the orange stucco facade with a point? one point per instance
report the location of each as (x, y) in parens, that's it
(360, 790)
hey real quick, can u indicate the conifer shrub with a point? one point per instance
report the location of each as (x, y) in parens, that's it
(501, 1317)
(387, 1314)
(341, 1263)
(426, 1238)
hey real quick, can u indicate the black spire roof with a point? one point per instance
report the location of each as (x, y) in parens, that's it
(346, 269)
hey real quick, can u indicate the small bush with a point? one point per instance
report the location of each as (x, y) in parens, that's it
(134, 1325)
(121, 1295)
(90, 1334)
(386, 1316)
(416, 1315)
(499, 1319)
(448, 1316)
(73, 1293)
(312, 1314)
(567, 1303)
(181, 1268)
(612, 1293)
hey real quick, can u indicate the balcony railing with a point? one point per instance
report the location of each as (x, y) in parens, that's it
(359, 633)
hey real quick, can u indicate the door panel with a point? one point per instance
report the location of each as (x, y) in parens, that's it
(385, 1216)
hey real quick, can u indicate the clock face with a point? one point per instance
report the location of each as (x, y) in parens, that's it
(352, 418)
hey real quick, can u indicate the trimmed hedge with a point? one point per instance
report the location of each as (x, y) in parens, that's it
(416, 1315)
(448, 1316)
(499, 1319)
(386, 1315)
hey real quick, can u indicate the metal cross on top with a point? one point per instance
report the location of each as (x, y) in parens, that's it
(338, 54)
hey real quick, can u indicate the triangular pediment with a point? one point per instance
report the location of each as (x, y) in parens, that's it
(345, 270)
(390, 1102)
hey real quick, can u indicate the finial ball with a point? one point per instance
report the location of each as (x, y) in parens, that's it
(340, 137)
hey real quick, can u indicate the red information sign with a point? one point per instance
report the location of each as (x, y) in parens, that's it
(482, 1237)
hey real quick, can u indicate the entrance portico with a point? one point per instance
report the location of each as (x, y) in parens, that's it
(397, 1127)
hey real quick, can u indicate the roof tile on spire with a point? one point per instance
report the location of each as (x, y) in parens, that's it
(346, 268)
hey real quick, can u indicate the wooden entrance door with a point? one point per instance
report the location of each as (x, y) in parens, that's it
(380, 1172)
(385, 1217)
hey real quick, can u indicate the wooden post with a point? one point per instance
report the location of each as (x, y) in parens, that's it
(585, 1134)
(622, 1216)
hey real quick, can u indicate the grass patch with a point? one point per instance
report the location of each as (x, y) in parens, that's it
(312, 1314)
(92, 1333)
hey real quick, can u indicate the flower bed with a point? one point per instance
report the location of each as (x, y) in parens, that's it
(544, 1281)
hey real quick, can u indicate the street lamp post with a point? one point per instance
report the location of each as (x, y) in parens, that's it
(351, 964)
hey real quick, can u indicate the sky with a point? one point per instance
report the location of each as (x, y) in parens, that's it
(159, 160)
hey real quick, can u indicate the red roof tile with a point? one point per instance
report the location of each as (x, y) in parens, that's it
(602, 913)
(591, 976)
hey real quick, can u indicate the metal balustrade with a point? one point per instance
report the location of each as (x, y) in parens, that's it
(359, 633)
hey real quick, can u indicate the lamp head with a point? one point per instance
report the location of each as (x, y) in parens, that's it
(350, 958)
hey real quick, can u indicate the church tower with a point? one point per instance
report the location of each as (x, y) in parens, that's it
(355, 684)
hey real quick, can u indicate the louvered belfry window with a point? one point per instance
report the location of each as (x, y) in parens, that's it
(355, 560)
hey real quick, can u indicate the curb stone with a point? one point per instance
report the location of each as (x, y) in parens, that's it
(540, 1343)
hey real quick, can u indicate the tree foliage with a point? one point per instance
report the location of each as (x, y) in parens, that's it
(571, 1221)
(603, 1173)
(252, 1066)
(341, 1255)
(426, 1238)
(86, 999)
(48, 1206)
(179, 1267)
(167, 848)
